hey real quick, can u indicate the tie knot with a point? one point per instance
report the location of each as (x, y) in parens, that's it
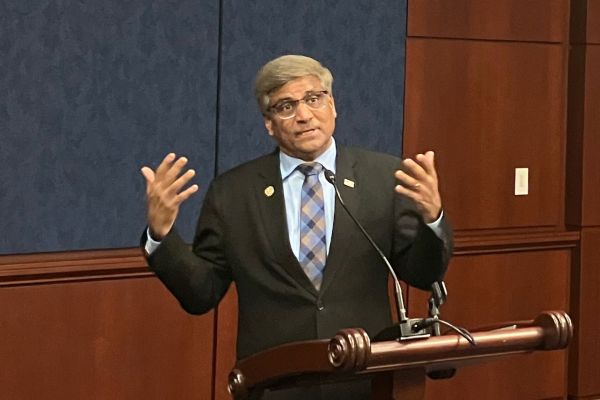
(312, 168)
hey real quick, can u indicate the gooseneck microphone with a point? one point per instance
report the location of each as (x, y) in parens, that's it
(408, 327)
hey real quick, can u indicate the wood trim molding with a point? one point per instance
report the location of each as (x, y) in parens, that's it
(43, 268)
(510, 242)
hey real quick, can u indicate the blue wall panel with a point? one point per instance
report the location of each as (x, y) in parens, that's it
(89, 92)
(361, 41)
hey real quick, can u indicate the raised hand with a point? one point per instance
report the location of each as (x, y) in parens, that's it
(165, 192)
(419, 181)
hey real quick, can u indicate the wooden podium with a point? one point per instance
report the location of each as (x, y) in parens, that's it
(398, 367)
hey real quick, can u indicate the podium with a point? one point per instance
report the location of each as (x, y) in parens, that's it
(398, 368)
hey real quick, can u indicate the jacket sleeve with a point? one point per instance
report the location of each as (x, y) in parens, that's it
(197, 276)
(420, 257)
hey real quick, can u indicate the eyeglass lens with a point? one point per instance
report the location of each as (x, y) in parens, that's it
(287, 109)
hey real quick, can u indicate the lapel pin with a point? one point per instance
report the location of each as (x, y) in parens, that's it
(349, 183)
(269, 190)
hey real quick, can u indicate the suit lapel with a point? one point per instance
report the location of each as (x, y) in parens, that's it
(343, 226)
(271, 204)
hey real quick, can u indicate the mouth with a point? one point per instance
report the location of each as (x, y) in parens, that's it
(306, 132)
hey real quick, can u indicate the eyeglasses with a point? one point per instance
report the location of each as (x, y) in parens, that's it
(286, 109)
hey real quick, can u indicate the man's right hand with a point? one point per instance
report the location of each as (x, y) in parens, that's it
(164, 193)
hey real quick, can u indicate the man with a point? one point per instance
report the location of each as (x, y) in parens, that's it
(301, 267)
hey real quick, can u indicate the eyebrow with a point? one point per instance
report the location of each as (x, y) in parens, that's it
(288, 98)
(284, 99)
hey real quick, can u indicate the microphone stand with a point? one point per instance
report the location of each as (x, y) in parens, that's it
(407, 328)
(438, 297)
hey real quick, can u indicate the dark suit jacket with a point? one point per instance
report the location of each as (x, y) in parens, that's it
(242, 236)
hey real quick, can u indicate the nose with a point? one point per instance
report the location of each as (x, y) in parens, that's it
(303, 112)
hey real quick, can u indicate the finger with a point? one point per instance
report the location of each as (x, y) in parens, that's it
(406, 180)
(148, 175)
(165, 164)
(182, 180)
(431, 156)
(169, 170)
(412, 168)
(411, 194)
(183, 196)
(427, 162)
(176, 168)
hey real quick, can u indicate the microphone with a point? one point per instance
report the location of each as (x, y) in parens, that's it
(408, 328)
(439, 294)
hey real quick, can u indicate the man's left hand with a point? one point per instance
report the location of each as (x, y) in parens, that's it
(419, 182)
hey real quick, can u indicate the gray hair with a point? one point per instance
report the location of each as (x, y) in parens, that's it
(284, 69)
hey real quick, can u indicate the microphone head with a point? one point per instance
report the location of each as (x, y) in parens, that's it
(329, 175)
(439, 292)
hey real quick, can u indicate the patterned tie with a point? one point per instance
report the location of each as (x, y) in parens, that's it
(313, 242)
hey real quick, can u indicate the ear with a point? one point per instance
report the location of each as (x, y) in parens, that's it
(269, 125)
(332, 103)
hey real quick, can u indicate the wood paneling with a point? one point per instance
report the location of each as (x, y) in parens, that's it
(487, 289)
(97, 324)
(488, 108)
(591, 139)
(593, 21)
(583, 163)
(585, 352)
(583, 184)
(531, 20)
(116, 339)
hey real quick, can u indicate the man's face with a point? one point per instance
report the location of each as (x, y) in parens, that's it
(307, 134)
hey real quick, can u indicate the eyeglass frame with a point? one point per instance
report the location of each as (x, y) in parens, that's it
(296, 103)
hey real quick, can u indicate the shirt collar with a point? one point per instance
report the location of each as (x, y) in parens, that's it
(288, 164)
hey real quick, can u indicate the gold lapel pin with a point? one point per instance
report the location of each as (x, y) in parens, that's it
(269, 190)
(349, 183)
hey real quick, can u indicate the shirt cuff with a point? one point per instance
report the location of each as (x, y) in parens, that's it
(151, 244)
(434, 226)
